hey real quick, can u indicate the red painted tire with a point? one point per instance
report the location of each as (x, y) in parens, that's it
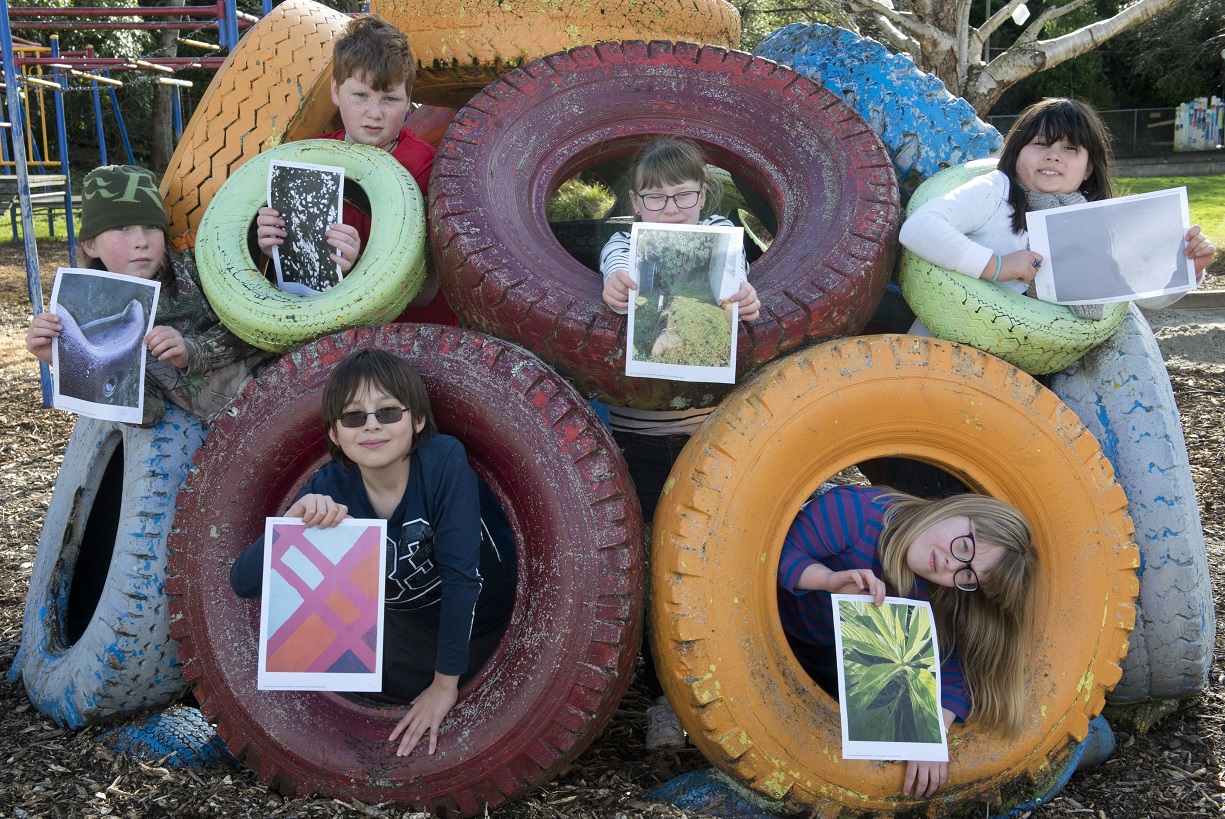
(568, 653)
(818, 164)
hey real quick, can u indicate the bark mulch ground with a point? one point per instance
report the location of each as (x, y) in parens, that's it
(1173, 770)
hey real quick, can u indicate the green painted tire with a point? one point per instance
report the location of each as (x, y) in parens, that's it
(1035, 336)
(389, 273)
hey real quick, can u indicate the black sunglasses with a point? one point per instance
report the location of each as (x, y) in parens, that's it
(384, 415)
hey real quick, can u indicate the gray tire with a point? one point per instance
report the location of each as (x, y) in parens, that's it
(1121, 392)
(111, 511)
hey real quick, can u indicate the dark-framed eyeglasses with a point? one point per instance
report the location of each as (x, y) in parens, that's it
(658, 201)
(962, 548)
(384, 415)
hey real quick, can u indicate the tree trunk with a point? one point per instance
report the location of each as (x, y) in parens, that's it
(163, 102)
(952, 50)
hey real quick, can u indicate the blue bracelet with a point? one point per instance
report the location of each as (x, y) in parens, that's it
(999, 263)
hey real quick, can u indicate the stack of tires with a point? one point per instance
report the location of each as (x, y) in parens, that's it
(538, 107)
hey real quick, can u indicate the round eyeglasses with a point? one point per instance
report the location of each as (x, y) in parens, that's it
(962, 548)
(658, 201)
(384, 415)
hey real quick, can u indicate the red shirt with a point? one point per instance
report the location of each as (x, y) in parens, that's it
(417, 157)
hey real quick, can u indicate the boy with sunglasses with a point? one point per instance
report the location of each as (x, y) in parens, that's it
(451, 560)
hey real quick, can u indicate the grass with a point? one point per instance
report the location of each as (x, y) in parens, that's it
(42, 229)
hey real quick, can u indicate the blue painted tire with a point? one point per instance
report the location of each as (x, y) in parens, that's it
(124, 659)
(924, 127)
(179, 737)
(1121, 392)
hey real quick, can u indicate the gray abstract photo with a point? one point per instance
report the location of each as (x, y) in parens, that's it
(100, 355)
(308, 198)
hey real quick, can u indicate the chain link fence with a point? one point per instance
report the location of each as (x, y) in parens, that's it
(1136, 131)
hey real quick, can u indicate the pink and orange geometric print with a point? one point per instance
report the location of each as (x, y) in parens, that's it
(323, 602)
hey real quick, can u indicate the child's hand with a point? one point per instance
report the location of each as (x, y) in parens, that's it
(347, 243)
(856, 581)
(924, 778)
(1199, 249)
(44, 328)
(269, 229)
(750, 305)
(617, 290)
(428, 711)
(167, 344)
(318, 510)
(1020, 265)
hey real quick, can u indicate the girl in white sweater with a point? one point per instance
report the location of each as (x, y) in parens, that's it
(1056, 154)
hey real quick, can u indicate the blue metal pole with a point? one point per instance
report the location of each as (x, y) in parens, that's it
(12, 91)
(98, 121)
(267, 7)
(176, 110)
(61, 138)
(227, 29)
(123, 131)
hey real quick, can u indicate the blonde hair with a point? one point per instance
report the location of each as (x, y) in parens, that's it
(671, 161)
(990, 628)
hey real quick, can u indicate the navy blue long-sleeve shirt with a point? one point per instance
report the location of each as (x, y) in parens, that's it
(446, 569)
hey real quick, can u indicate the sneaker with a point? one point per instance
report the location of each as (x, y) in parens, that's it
(663, 730)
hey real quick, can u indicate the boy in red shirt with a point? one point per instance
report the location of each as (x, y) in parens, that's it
(372, 82)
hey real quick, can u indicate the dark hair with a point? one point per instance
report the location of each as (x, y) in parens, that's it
(1057, 118)
(376, 52)
(388, 372)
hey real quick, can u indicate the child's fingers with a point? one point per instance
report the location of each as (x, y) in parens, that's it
(626, 281)
(269, 216)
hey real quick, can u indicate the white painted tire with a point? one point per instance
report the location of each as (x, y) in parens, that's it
(124, 660)
(1121, 392)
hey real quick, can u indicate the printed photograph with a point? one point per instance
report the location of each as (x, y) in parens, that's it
(98, 362)
(1121, 249)
(681, 324)
(888, 679)
(321, 618)
(309, 199)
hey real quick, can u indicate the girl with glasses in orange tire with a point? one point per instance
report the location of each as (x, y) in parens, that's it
(971, 556)
(451, 560)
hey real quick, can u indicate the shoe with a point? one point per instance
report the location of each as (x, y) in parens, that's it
(663, 730)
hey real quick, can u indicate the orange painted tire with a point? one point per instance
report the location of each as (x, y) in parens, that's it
(738, 485)
(463, 45)
(273, 88)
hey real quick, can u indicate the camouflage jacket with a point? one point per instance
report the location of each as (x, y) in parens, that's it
(219, 364)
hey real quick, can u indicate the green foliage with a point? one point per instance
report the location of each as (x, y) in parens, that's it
(890, 665)
(686, 256)
(703, 331)
(1083, 77)
(576, 200)
(760, 17)
(1173, 58)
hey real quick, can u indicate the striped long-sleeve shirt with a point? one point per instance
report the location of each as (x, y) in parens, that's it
(841, 530)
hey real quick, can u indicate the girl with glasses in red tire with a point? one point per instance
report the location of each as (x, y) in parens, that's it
(971, 556)
(451, 561)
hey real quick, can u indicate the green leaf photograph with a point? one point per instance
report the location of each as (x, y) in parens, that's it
(889, 663)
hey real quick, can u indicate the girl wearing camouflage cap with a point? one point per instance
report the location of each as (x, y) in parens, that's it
(194, 360)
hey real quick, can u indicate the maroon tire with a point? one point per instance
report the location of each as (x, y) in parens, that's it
(568, 653)
(816, 162)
